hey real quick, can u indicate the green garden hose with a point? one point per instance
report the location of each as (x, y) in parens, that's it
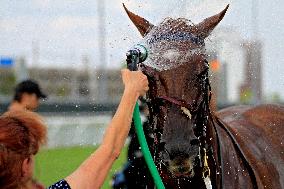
(145, 149)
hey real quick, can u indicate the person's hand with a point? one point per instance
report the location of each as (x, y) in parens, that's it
(135, 81)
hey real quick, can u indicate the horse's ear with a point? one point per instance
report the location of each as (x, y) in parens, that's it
(141, 24)
(204, 28)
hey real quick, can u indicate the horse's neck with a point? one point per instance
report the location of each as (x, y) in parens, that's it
(230, 157)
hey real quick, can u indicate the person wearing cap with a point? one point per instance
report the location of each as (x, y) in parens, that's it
(27, 96)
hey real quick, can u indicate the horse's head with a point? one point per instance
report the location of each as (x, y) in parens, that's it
(179, 88)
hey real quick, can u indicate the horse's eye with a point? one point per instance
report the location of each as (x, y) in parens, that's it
(160, 102)
(155, 78)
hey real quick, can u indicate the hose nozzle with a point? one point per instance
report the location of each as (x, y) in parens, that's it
(136, 55)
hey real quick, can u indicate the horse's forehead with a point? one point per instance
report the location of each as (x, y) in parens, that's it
(184, 71)
(171, 44)
(166, 54)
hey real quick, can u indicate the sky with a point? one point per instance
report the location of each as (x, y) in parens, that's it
(64, 31)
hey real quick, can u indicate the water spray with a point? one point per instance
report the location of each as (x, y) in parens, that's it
(136, 55)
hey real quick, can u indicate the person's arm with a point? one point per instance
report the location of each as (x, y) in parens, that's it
(91, 174)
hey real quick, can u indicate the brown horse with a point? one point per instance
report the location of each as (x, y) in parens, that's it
(238, 147)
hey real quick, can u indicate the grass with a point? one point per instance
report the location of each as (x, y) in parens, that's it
(51, 165)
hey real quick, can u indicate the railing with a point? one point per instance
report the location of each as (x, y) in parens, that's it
(69, 107)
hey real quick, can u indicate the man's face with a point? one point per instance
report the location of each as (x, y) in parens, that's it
(31, 101)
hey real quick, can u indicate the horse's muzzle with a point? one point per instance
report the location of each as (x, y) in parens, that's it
(182, 165)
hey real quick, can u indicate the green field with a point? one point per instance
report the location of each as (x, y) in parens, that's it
(55, 164)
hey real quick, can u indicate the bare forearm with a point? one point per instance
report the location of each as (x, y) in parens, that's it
(103, 174)
(122, 120)
(118, 129)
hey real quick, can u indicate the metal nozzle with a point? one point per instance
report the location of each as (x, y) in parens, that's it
(140, 51)
(136, 55)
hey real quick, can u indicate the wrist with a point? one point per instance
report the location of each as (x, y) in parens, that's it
(131, 92)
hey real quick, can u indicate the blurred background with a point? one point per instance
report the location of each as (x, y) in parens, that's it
(75, 50)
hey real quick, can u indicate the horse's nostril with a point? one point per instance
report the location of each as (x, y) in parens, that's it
(194, 142)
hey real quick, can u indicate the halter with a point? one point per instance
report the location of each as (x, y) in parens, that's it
(182, 103)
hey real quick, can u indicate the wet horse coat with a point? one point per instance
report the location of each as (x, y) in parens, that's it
(257, 133)
(243, 144)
